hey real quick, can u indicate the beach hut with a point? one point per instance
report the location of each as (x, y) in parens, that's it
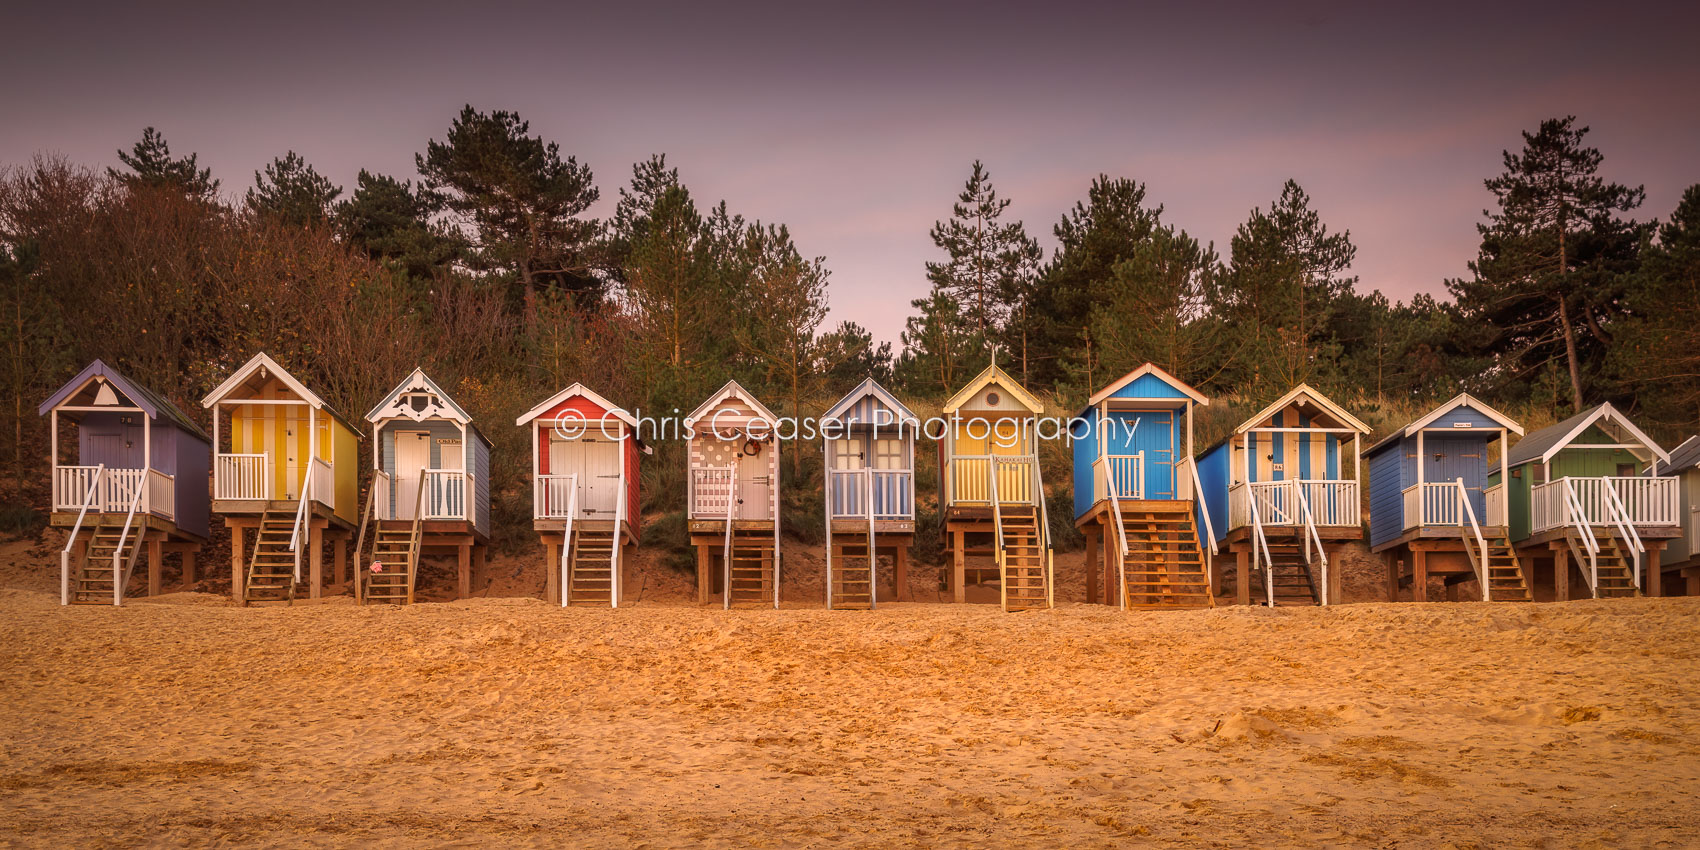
(291, 475)
(1434, 507)
(1578, 493)
(430, 491)
(870, 493)
(994, 517)
(136, 477)
(1280, 501)
(584, 494)
(1137, 496)
(732, 445)
(1681, 558)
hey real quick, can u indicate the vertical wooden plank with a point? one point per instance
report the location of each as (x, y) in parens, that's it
(463, 586)
(1242, 576)
(236, 563)
(1691, 579)
(339, 558)
(315, 561)
(958, 569)
(478, 563)
(1091, 563)
(1561, 575)
(156, 557)
(1419, 572)
(551, 571)
(1336, 577)
(188, 568)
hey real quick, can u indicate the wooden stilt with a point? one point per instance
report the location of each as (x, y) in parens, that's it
(188, 568)
(315, 562)
(551, 572)
(1691, 579)
(704, 564)
(1336, 577)
(1560, 575)
(1419, 576)
(900, 566)
(463, 584)
(478, 564)
(156, 560)
(339, 555)
(236, 564)
(1242, 576)
(1653, 581)
(1091, 563)
(958, 568)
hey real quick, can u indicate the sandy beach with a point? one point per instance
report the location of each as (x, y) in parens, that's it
(505, 721)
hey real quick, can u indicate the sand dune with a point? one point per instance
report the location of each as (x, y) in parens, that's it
(506, 721)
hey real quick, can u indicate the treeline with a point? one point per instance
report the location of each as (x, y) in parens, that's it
(485, 268)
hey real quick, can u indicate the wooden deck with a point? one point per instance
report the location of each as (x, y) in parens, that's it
(1328, 533)
(236, 508)
(151, 522)
(882, 527)
(1433, 533)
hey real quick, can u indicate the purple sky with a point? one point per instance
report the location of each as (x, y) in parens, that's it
(856, 125)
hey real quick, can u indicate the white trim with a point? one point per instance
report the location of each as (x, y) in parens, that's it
(1601, 412)
(418, 376)
(871, 387)
(1461, 400)
(993, 375)
(1319, 399)
(1147, 369)
(732, 388)
(582, 391)
(254, 364)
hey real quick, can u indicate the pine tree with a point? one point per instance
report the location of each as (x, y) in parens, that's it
(292, 192)
(151, 165)
(1554, 257)
(1160, 309)
(389, 222)
(1660, 360)
(1285, 276)
(521, 205)
(986, 255)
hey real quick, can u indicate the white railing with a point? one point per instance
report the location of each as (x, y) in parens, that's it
(1618, 515)
(445, 494)
(1494, 498)
(890, 492)
(1203, 511)
(114, 489)
(1332, 503)
(571, 505)
(1114, 494)
(1274, 502)
(614, 558)
(122, 578)
(554, 496)
(89, 495)
(381, 507)
(969, 478)
(730, 476)
(1473, 530)
(1639, 500)
(299, 530)
(324, 482)
(1432, 503)
(242, 476)
(162, 494)
(1310, 538)
(1128, 472)
(1260, 546)
(1581, 531)
(713, 492)
(73, 486)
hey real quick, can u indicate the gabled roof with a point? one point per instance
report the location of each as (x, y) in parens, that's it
(577, 390)
(1319, 399)
(416, 379)
(1457, 401)
(732, 388)
(1682, 458)
(264, 361)
(993, 375)
(1543, 444)
(871, 387)
(1148, 369)
(153, 404)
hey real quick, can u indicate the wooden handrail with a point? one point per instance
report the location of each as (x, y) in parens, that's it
(65, 555)
(1617, 513)
(1258, 539)
(118, 581)
(567, 542)
(360, 539)
(414, 546)
(1310, 536)
(1581, 529)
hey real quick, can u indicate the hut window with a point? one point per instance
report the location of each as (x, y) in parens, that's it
(1626, 470)
(888, 454)
(991, 399)
(1537, 474)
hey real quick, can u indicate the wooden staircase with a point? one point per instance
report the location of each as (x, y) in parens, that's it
(1506, 582)
(590, 579)
(1163, 562)
(1294, 581)
(91, 583)
(1616, 567)
(395, 546)
(1022, 567)
(750, 573)
(853, 576)
(271, 566)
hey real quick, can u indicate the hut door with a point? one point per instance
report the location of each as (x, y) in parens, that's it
(1448, 458)
(755, 482)
(1150, 433)
(599, 484)
(294, 450)
(412, 453)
